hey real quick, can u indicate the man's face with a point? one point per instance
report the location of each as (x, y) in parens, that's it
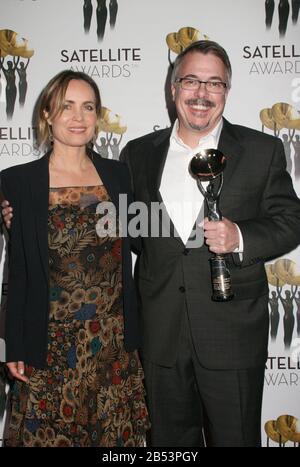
(199, 111)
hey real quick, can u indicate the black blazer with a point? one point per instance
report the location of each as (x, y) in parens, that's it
(258, 195)
(26, 186)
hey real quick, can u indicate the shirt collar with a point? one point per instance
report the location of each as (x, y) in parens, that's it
(176, 142)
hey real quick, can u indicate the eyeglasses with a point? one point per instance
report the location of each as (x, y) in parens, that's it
(193, 84)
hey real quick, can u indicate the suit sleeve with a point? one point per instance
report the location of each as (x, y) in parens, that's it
(277, 230)
(14, 320)
(135, 242)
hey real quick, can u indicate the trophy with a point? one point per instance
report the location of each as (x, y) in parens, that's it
(208, 166)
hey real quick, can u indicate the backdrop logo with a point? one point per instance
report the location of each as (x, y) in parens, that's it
(110, 124)
(18, 142)
(286, 428)
(103, 63)
(281, 274)
(101, 15)
(12, 51)
(272, 59)
(284, 11)
(284, 118)
(178, 41)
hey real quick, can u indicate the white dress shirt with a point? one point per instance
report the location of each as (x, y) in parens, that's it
(179, 190)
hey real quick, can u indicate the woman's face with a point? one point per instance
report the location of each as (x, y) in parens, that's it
(75, 125)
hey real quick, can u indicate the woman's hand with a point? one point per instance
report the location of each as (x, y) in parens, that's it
(16, 370)
(7, 213)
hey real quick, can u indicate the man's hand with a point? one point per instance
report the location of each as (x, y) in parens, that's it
(7, 213)
(17, 370)
(221, 236)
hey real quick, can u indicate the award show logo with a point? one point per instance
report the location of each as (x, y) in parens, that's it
(101, 13)
(283, 273)
(284, 118)
(284, 10)
(103, 63)
(284, 430)
(108, 146)
(276, 59)
(14, 60)
(272, 59)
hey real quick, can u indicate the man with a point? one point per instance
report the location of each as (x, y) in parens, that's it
(204, 360)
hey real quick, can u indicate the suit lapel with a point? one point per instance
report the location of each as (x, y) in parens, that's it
(40, 204)
(155, 165)
(109, 179)
(232, 149)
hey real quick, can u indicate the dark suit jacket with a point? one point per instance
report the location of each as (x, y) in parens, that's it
(258, 195)
(26, 186)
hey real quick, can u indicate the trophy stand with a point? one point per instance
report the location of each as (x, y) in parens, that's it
(208, 166)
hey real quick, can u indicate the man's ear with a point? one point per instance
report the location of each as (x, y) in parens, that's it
(173, 92)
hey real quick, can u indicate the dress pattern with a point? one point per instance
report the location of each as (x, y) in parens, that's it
(91, 392)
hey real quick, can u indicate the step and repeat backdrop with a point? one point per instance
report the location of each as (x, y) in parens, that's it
(127, 46)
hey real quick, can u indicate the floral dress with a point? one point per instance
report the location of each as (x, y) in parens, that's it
(91, 391)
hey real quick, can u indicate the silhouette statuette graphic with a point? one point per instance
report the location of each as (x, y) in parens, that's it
(284, 273)
(12, 48)
(208, 166)
(274, 280)
(295, 10)
(113, 10)
(101, 12)
(269, 7)
(87, 14)
(111, 124)
(283, 14)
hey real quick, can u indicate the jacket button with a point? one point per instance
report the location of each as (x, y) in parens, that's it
(186, 251)
(181, 289)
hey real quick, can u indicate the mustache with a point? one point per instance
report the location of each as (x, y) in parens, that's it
(200, 101)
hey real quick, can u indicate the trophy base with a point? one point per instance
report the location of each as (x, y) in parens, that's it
(221, 283)
(222, 298)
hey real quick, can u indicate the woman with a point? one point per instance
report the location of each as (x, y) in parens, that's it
(71, 328)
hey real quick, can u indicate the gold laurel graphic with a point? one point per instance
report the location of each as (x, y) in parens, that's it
(289, 427)
(267, 119)
(10, 45)
(272, 277)
(281, 115)
(286, 115)
(273, 433)
(286, 271)
(178, 41)
(110, 122)
(173, 42)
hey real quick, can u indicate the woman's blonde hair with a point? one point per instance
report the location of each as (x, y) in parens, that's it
(52, 99)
